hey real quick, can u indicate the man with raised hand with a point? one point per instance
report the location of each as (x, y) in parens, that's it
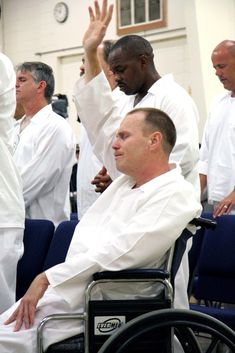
(131, 61)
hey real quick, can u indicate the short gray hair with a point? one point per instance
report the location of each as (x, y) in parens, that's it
(40, 72)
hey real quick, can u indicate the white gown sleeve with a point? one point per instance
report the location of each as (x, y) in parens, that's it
(7, 99)
(204, 151)
(99, 114)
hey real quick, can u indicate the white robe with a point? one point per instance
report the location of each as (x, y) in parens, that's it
(44, 152)
(11, 196)
(217, 153)
(124, 228)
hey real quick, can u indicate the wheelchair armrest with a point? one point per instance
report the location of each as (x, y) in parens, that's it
(132, 274)
(204, 222)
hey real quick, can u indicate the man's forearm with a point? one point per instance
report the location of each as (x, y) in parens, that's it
(92, 65)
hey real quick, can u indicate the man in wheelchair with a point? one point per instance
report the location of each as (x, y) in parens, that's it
(132, 225)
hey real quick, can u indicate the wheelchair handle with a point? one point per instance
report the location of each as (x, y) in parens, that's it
(204, 223)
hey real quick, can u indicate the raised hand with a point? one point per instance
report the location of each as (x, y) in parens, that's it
(99, 21)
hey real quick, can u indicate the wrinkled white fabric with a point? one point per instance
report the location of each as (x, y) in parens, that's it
(89, 165)
(11, 197)
(44, 152)
(124, 228)
(217, 153)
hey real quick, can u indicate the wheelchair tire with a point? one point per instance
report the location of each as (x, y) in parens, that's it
(184, 322)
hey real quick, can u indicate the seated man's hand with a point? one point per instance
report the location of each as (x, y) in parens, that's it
(225, 206)
(102, 180)
(25, 313)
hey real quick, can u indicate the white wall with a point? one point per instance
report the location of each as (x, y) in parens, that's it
(30, 32)
(208, 22)
(221, 18)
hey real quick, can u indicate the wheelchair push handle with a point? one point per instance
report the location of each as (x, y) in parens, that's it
(204, 222)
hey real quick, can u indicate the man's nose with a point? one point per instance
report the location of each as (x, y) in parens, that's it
(218, 72)
(115, 144)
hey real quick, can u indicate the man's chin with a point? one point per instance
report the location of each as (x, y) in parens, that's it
(126, 90)
(226, 85)
(120, 168)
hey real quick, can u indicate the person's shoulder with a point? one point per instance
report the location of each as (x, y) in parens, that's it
(60, 130)
(170, 88)
(173, 188)
(176, 87)
(220, 97)
(173, 98)
(183, 189)
(51, 121)
(172, 180)
(165, 81)
(177, 179)
(61, 124)
(56, 118)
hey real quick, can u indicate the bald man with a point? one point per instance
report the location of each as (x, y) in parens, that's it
(217, 154)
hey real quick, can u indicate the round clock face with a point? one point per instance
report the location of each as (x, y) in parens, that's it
(61, 12)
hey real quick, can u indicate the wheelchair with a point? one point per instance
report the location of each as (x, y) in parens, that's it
(106, 321)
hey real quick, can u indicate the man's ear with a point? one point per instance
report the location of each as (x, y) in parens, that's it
(42, 86)
(155, 140)
(143, 60)
(109, 72)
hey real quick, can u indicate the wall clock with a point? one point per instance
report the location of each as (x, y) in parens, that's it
(61, 12)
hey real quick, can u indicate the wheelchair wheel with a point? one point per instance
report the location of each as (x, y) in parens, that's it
(196, 332)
